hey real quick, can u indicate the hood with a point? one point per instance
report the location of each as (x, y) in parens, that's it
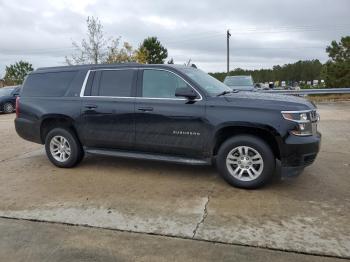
(4, 98)
(269, 101)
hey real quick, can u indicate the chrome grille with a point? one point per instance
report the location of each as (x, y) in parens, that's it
(314, 116)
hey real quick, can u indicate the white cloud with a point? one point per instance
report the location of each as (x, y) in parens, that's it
(164, 22)
(264, 33)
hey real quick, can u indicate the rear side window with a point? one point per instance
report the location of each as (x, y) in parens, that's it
(116, 83)
(48, 84)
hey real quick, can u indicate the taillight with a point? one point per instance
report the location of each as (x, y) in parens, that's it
(17, 106)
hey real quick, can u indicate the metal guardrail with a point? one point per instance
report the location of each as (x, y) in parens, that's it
(316, 91)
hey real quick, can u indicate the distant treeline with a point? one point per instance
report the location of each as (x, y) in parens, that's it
(300, 71)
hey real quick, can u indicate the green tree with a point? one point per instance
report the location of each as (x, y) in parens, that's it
(141, 55)
(156, 53)
(120, 55)
(337, 69)
(15, 74)
(299, 71)
(126, 53)
(96, 48)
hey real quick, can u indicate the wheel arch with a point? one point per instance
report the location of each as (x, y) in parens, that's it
(51, 121)
(266, 133)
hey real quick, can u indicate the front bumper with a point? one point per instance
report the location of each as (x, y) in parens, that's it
(298, 153)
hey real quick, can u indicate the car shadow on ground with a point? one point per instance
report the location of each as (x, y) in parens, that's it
(147, 165)
(207, 172)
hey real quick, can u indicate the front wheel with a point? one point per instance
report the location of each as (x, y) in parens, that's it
(246, 161)
(63, 148)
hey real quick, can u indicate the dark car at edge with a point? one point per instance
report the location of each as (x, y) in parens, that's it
(8, 98)
(165, 112)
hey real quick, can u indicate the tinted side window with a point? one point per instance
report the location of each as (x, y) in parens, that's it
(48, 84)
(160, 84)
(116, 83)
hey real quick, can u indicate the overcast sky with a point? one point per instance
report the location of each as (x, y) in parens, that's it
(264, 33)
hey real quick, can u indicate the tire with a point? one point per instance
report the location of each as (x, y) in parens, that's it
(8, 108)
(54, 142)
(251, 153)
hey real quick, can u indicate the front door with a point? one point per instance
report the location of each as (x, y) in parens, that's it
(108, 108)
(165, 123)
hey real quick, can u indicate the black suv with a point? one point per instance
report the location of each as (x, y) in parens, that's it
(165, 112)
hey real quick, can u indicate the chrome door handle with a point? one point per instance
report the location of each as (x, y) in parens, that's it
(145, 109)
(91, 106)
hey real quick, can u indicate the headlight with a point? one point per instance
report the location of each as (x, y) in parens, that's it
(299, 117)
(303, 119)
(303, 116)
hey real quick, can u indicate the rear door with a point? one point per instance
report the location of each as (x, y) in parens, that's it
(108, 106)
(165, 123)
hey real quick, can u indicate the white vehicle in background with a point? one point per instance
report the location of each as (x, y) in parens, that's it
(242, 83)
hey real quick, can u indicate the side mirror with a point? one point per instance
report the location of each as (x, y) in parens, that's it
(187, 92)
(16, 94)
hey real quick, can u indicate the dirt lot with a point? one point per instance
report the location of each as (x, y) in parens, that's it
(309, 214)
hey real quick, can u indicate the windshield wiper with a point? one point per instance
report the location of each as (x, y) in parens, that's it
(227, 92)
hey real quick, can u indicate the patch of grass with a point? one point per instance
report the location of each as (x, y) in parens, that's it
(329, 97)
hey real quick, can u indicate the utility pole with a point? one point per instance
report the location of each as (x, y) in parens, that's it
(228, 51)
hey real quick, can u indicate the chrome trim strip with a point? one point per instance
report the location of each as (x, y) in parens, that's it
(147, 98)
(296, 112)
(135, 97)
(306, 134)
(82, 91)
(149, 156)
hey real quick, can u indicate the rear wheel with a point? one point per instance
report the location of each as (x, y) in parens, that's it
(8, 108)
(246, 161)
(63, 148)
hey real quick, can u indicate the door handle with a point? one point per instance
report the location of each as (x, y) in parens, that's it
(145, 109)
(91, 106)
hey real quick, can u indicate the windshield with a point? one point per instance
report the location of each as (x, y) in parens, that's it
(238, 81)
(205, 81)
(6, 91)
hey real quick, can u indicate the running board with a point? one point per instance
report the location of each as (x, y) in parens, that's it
(147, 156)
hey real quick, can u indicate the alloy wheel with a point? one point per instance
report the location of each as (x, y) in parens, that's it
(244, 163)
(60, 148)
